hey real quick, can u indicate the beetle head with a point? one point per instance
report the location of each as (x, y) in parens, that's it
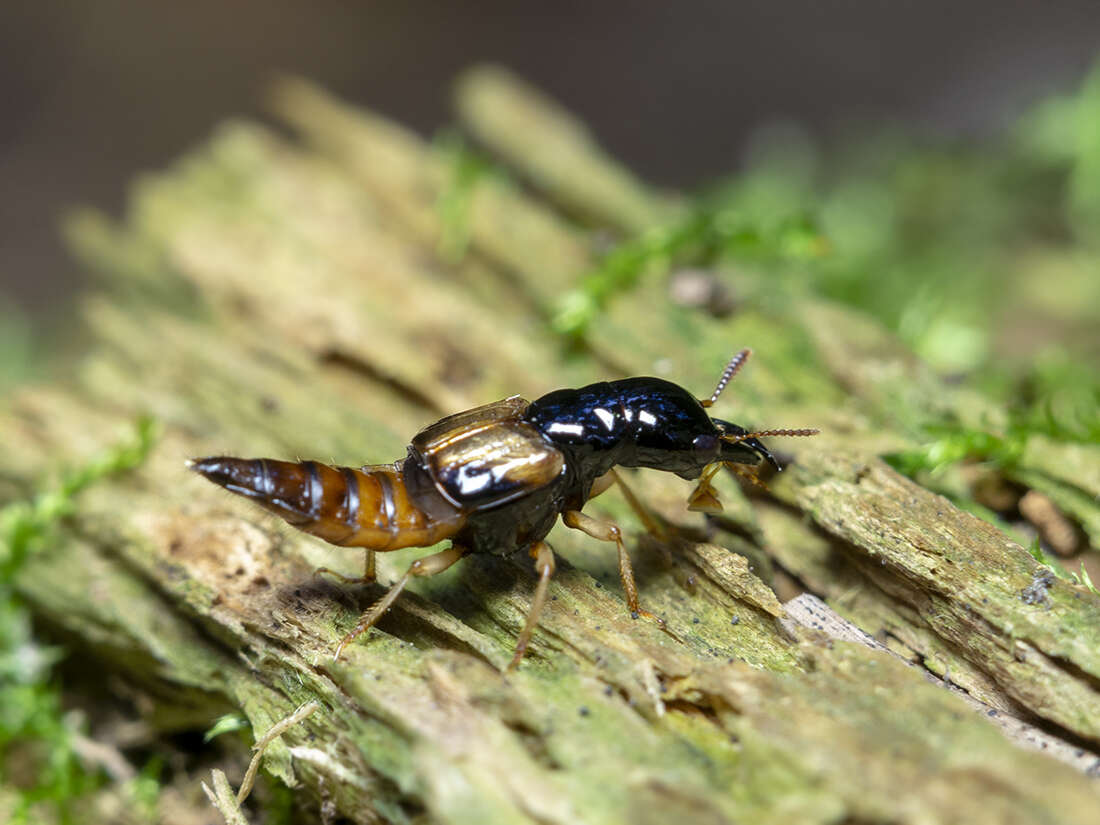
(739, 446)
(732, 446)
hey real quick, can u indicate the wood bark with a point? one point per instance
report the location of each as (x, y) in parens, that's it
(285, 296)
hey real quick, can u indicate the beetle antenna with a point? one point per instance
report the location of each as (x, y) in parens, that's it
(731, 369)
(736, 439)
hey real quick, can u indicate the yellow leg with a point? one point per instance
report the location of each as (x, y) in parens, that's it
(427, 566)
(606, 531)
(601, 484)
(368, 576)
(749, 474)
(640, 510)
(544, 566)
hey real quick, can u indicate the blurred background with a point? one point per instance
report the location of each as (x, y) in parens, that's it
(93, 93)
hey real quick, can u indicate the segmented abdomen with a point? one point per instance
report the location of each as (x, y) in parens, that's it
(354, 508)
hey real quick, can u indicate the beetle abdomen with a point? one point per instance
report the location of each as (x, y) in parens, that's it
(368, 508)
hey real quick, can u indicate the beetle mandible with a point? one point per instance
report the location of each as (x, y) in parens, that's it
(494, 479)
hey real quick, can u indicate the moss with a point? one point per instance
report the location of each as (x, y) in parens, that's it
(465, 168)
(703, 239)
(36, 752)
(317, 318)
(950, 246)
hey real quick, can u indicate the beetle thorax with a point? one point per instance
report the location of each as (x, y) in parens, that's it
(636, 422)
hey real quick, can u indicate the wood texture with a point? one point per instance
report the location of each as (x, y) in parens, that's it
(284, 297)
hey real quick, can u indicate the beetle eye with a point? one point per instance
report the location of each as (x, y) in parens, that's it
(705, 446)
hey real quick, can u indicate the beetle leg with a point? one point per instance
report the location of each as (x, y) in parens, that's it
(611, 477)
(368, 576)
(427, 566)
(640, 510)
(608, 531)
(602, 484)
(544, 566)
(748, 474)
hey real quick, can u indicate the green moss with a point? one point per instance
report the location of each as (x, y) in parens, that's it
(465, 168)
(704, 238)
(948, 244)
(33, 728)
(227, 723)
(418, 720)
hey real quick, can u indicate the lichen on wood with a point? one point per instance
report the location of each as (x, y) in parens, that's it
(284, 297)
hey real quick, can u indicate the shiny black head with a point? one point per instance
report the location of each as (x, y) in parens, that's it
(685, 440)
(646, 422)
(701, 440)
(750, 449)
(669, 429)
(639, 422)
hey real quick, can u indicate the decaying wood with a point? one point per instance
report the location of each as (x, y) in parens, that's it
(269, 296)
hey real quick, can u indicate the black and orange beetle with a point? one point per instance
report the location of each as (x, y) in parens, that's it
(494, 479)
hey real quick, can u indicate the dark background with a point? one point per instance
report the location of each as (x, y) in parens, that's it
(94, 91)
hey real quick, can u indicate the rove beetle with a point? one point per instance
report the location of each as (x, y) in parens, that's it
(494, 479)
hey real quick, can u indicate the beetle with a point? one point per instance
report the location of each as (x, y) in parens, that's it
(494, 479)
